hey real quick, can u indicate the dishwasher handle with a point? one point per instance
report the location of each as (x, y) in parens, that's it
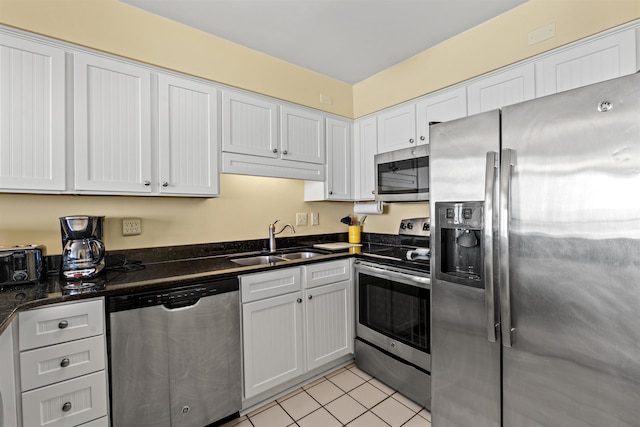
(173, 305)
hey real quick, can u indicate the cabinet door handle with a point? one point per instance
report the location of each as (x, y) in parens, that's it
(411, 141)
(165, 184)
(330, 192)
(275, 150)
(147, 183)
(65, 362)
(422, 138)
(373, 191)
(310, 296)
(299, 300)
(63, 324)
(285, 152)
(66, 407)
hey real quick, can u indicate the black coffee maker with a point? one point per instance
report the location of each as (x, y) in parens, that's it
(82, 248)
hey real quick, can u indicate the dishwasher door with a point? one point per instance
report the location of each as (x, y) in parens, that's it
(176, 364)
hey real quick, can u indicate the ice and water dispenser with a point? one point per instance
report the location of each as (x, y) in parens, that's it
(459, 243)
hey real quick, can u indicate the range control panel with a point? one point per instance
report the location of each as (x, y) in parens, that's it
(415, 227)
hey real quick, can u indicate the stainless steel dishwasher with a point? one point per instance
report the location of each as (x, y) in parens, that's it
(175, 355)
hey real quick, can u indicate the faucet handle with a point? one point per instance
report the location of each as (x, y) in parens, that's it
(274, 222)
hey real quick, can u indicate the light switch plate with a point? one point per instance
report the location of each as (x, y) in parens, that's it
(315, 218)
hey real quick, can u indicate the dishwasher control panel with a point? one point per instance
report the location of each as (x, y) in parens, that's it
(175, 297)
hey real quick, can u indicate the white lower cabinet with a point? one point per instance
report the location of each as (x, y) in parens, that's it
(329, 323)
(66, 404)
(272, 337)
(63, 365)
(301, 329)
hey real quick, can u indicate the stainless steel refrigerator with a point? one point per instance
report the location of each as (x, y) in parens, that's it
(536, 282)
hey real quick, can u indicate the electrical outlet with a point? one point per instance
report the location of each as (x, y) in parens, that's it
(131, 226)
(301, 218)
(315, 218)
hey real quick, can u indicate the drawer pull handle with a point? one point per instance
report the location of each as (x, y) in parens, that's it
(65, 362)
(63, 324)
(66, 407)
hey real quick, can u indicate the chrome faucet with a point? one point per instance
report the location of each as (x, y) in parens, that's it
(272, 234)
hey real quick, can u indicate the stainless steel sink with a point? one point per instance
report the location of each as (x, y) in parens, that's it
(271, 259)
(300, 255)
(260, 259)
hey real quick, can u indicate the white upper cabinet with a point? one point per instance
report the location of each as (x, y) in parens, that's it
(586, 63)
(397, 128)
(302, 135)
(187, 137)
(366, 135)
(32, 116)
(496, 90)
(249, 125)
(112, 114)
(440, 107)
(338, 183)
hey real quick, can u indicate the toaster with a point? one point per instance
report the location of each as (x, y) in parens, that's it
(21, 264)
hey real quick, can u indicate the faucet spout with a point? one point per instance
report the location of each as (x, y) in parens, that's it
(273, 233)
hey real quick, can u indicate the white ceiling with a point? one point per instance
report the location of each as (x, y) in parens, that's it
(348, 40)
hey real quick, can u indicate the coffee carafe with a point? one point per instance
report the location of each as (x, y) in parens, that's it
(82, 248)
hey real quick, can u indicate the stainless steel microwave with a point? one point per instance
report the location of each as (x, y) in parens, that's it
(403, 175)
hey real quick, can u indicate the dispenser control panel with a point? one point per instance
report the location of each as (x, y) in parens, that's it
(465, 215)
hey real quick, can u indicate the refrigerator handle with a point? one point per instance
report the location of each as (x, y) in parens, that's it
(508, 159)
(489, 288)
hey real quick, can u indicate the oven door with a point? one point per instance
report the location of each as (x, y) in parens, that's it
(393, 312)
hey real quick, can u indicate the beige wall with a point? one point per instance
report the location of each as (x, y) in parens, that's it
(492, 45)
(249, 204)
(245, 209)
(120, 29)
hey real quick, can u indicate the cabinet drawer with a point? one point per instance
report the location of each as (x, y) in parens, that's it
(61, 362)
(66, 404)
(327, 272)
(100, 422)
(264, 285)
(59, 323)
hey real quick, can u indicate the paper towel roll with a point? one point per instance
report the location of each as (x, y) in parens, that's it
(374, 208)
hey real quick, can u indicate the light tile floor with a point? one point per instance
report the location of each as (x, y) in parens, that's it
(345, 397)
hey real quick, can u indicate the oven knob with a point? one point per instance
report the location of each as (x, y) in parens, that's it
(393, 344)
(410, 226)
(403, 225)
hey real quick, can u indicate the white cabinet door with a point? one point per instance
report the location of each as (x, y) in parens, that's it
(503, 88)
(249, 125)
(302, 135)
(338, 160)
(187, 137)
(329, 325)
(366, 147)
(8, 389)
(112, 110)
(273, 342)
(587, 63)
(397, 128)
(440, 107)
(32, 116)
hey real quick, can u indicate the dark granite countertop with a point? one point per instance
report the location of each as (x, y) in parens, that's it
(157, 268)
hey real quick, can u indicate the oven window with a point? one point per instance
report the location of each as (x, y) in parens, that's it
(404, 176)
(397, 310)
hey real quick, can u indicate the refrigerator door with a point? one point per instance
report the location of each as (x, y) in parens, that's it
(573, 236)
(465, 365)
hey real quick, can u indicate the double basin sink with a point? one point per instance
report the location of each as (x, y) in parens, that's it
(275, 258)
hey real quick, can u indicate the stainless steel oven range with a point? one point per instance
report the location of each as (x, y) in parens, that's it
(393, 340)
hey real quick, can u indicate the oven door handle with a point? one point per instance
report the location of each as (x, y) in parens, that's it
(393, 275)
